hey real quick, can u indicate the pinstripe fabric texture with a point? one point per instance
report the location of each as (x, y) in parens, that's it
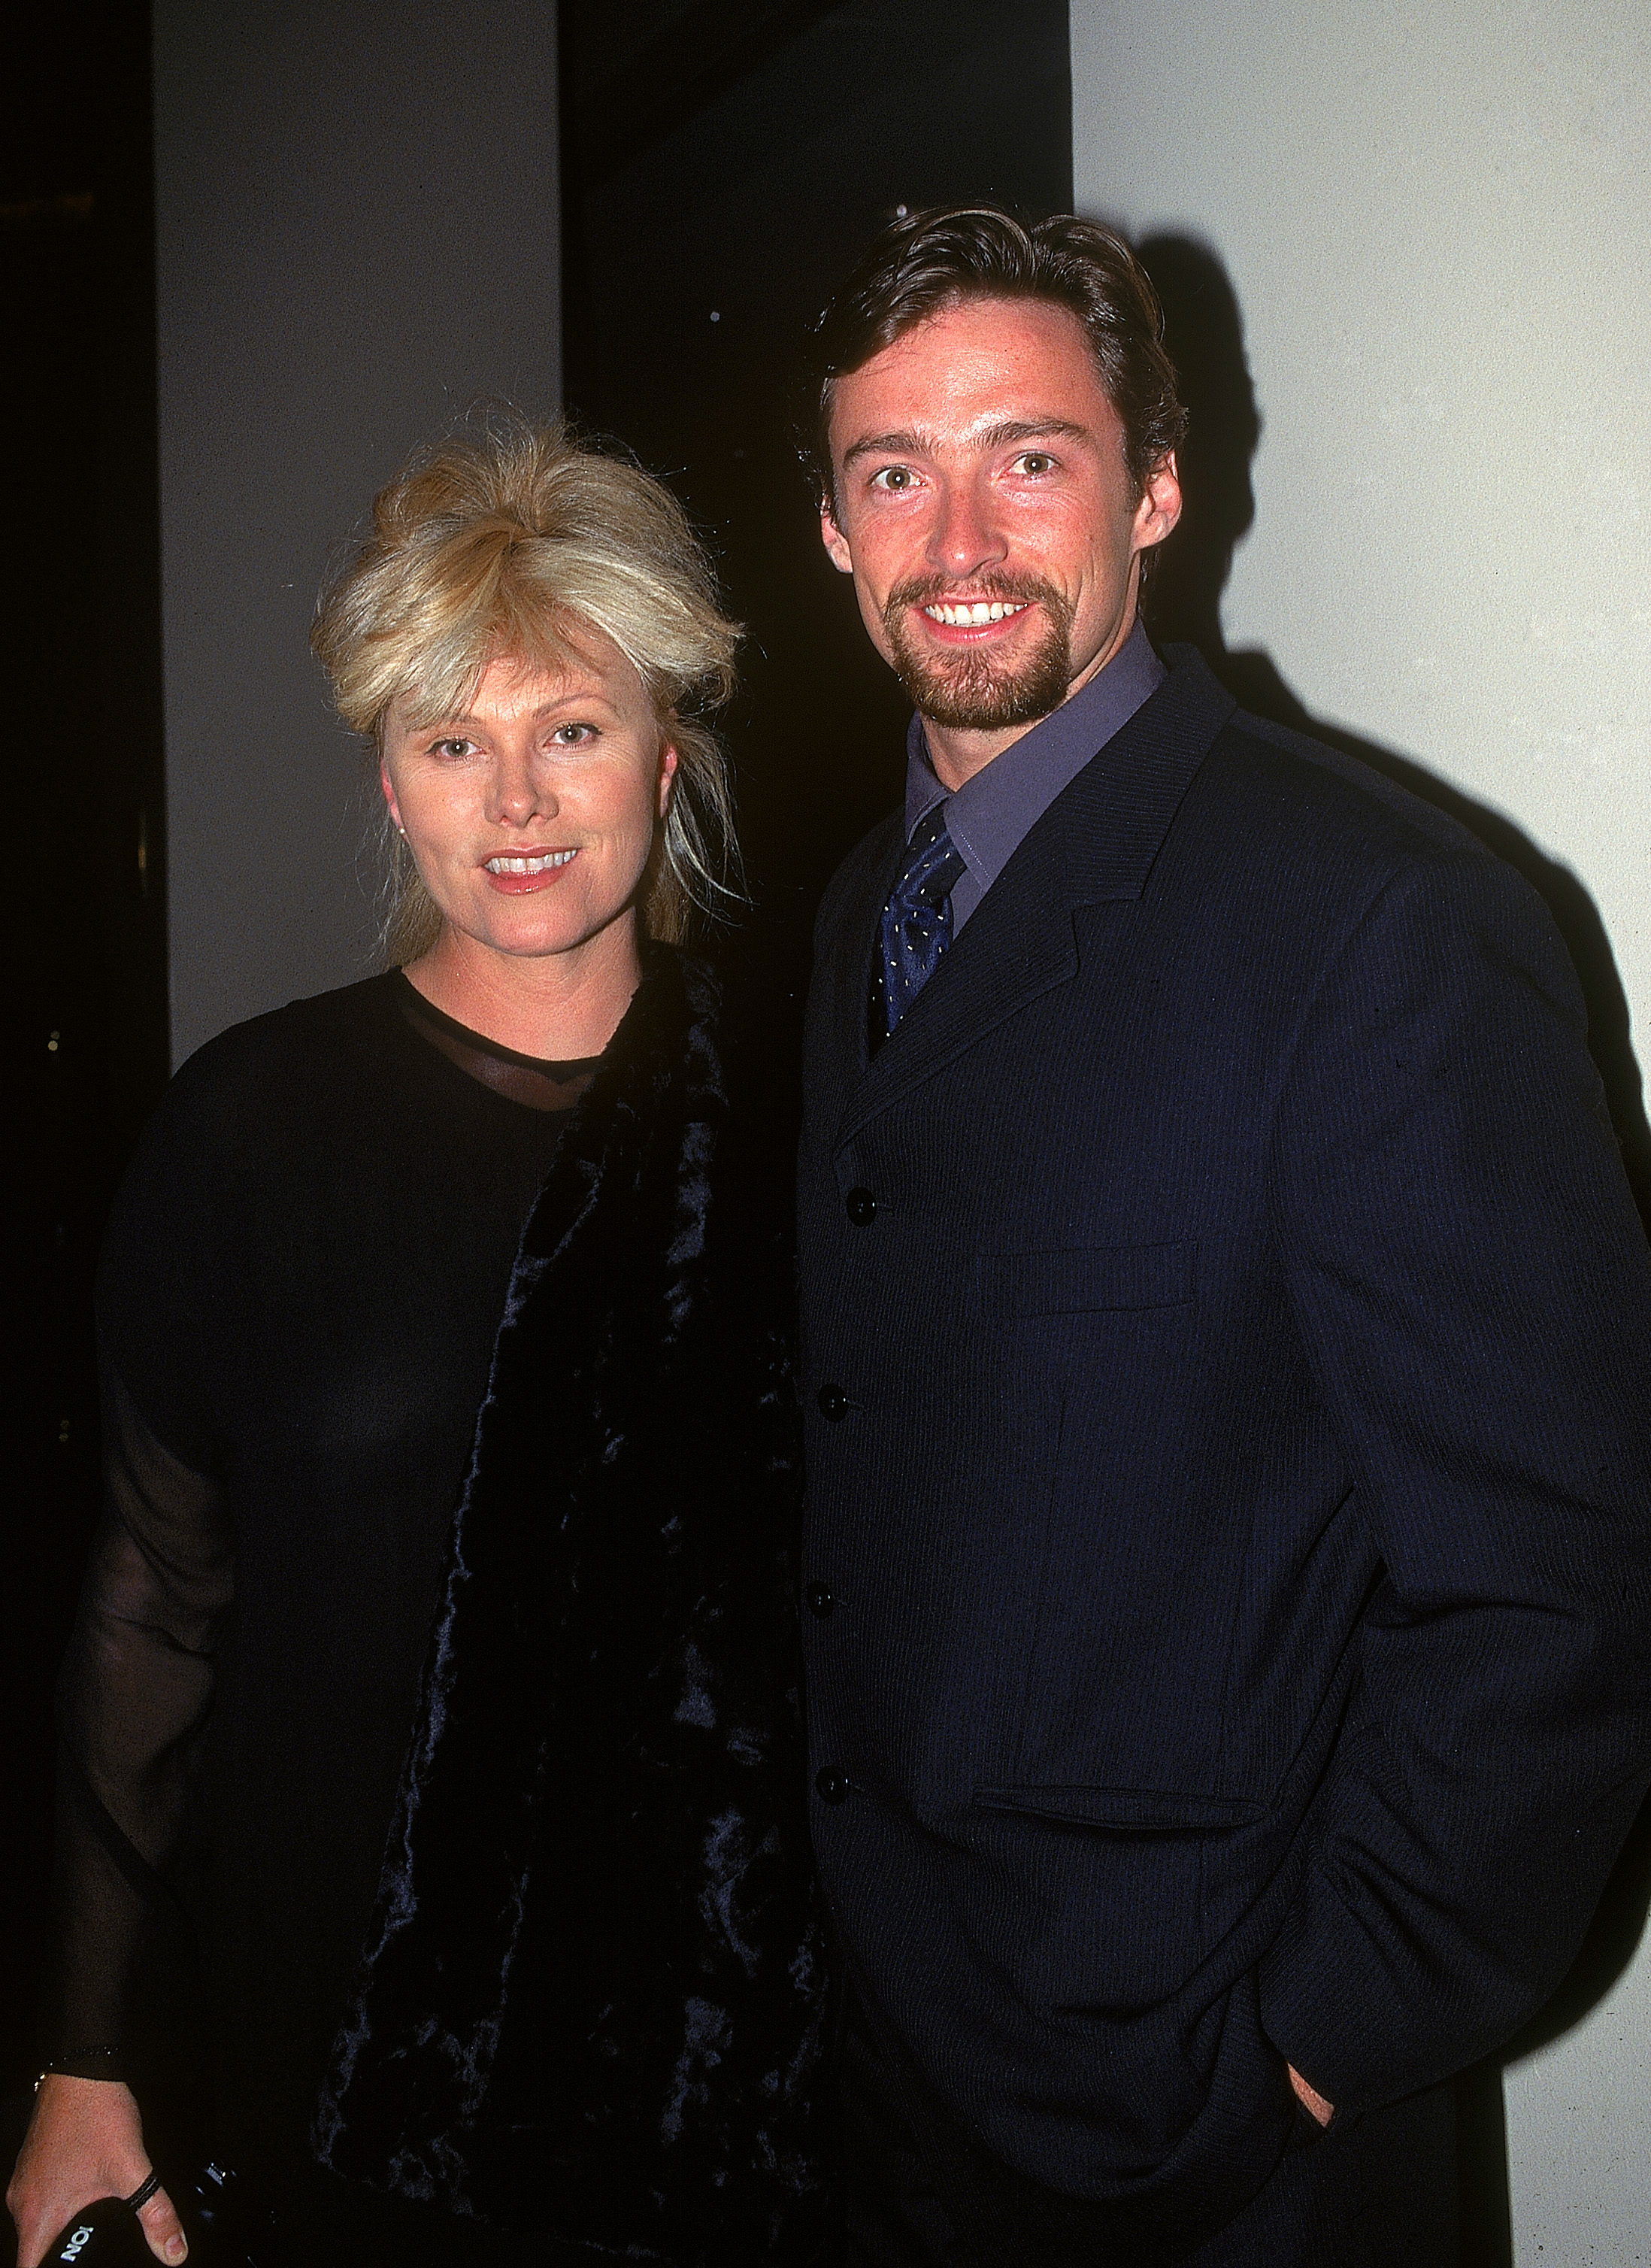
(1239, 1555)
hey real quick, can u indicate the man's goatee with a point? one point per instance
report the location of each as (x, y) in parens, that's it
(975, 693)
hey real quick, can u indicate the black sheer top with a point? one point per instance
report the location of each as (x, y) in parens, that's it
(298, 1303)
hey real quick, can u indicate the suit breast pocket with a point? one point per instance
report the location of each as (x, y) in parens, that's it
(1091, 1279)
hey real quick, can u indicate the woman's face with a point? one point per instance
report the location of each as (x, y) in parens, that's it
(531, 814)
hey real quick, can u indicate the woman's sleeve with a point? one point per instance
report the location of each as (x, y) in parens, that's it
(135, 1688)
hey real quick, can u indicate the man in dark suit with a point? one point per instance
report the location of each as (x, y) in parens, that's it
(1226, 1336)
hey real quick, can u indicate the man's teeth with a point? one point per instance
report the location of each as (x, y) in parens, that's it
(535, 866)
(981, 610)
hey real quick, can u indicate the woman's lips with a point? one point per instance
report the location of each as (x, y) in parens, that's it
(518, 873)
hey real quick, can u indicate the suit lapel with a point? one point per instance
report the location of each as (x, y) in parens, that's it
(995, 967)
(1096, 843)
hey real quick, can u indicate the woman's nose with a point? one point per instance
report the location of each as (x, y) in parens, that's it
(520, 791)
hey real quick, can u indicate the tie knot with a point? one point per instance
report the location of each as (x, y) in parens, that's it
(931, 865)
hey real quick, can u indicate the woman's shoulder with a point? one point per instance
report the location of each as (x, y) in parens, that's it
(282, 1083)
(294, 1043)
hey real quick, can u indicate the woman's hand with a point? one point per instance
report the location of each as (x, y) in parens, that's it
(85, 2141)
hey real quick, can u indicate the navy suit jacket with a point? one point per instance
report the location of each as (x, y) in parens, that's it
(1229, 1490)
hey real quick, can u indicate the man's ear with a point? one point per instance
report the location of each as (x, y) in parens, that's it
(832, 536)
(1160, 506)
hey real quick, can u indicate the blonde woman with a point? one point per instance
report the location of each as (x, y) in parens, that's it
(442, 1320)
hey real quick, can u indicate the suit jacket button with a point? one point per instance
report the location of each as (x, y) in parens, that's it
(832, 1784)
(833, 1403)
(862, 1207)
(820, 1600)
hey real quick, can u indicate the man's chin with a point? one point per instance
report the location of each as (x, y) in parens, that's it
(968, 696)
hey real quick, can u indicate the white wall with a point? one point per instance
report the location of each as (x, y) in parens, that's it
(355, 235)
(1437, 221)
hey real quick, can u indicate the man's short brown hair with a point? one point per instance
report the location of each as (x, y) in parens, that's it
(931, 260)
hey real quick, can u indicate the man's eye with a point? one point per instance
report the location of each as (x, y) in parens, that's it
(894, 479)
(1035, 461)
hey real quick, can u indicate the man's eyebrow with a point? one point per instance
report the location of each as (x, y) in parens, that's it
(1031, 429)
(887, 445)
(911, 444)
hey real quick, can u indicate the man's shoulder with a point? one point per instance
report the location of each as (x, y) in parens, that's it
(1298, 811)
(1283, 834)
(1278, 765)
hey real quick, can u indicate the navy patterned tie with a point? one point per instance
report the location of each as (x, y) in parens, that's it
(917, 919)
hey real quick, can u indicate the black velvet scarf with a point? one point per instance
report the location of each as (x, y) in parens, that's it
(590, 2002)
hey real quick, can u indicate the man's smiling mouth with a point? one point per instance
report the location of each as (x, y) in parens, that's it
(980, 610)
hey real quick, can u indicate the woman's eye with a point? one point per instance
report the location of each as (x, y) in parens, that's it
(452, 747)
(894, 480)
(573, 736)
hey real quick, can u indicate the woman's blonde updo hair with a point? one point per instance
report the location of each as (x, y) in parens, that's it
(502, 541)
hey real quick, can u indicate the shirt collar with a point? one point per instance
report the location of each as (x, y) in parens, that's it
(991, 814)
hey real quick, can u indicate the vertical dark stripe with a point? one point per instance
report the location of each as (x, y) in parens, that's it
(86, 979)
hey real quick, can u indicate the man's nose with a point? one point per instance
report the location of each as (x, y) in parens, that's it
(966, 536)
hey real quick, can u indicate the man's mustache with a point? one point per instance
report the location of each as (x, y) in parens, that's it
(1018, 590)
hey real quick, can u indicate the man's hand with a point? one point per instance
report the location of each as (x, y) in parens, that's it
(1310, 2098)
(85, 2141)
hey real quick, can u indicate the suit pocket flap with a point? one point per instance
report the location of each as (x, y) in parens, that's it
(1126, 1810)
(1117, 1275)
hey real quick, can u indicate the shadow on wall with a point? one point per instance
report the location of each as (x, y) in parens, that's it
(1204, 330)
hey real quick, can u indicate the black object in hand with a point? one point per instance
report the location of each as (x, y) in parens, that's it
(106, 2235)
(225, 2229)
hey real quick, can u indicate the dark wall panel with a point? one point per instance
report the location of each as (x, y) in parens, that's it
(86, 1032)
